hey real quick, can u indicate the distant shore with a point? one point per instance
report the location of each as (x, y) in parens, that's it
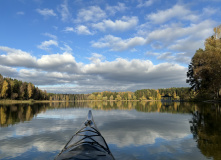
(31, 101)
(8, 101)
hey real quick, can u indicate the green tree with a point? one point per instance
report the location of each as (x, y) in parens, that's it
(205, 68)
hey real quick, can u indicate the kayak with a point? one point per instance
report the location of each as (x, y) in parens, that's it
(87, 143)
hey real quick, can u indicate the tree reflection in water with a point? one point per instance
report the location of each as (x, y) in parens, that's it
(12, 114)
(206, 129)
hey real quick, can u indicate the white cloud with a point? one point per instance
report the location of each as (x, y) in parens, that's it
(55, 60)
(61, 63)
(69, 29)
(124, 74)
(171, 34)
(81, 29)
(119, 66)
(16, 57)
(187, 44)
(47, 77)
(174, 37)
(145, 3)
(133, 50)
(177, 11)
(121, 75)
(166, 55)
(7, 71)
(208, 11)
(149, 53)
(178, 57)
(50, 35)
(118, 44)
(46, 44)
(113, 9)
(66, 48)
(96, 58)
(92, 13)
(144, 29)
(64, 11)
(119, 25)
(46, 12)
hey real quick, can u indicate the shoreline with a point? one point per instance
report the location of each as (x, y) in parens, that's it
(8, 101)
(31, 101)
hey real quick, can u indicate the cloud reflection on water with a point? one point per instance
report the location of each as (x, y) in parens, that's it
(127, 132)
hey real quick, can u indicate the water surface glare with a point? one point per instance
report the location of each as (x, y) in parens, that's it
(133, 130)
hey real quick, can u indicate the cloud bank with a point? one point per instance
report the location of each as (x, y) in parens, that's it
(98, 75)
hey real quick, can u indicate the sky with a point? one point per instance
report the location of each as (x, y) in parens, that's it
(81, 46)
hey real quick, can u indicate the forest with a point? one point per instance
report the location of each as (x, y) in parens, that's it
(17, 90)
(176, 94)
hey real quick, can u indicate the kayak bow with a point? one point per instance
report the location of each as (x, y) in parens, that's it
(87, 143)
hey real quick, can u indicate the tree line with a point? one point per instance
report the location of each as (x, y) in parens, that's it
(17, 90)
(182, 93)
(204, 71)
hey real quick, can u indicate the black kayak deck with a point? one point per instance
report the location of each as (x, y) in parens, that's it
(87, 143)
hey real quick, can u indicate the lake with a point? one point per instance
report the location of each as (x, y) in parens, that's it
(133, 130)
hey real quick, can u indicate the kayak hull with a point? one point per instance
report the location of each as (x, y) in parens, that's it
(87, 143)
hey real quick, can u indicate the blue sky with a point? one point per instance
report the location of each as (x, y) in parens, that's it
(80, 46)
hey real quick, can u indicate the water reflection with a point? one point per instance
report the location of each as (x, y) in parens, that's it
(12, 114)
(206, 129)
(134, 130)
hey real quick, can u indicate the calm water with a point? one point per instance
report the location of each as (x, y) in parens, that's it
(141, 131)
